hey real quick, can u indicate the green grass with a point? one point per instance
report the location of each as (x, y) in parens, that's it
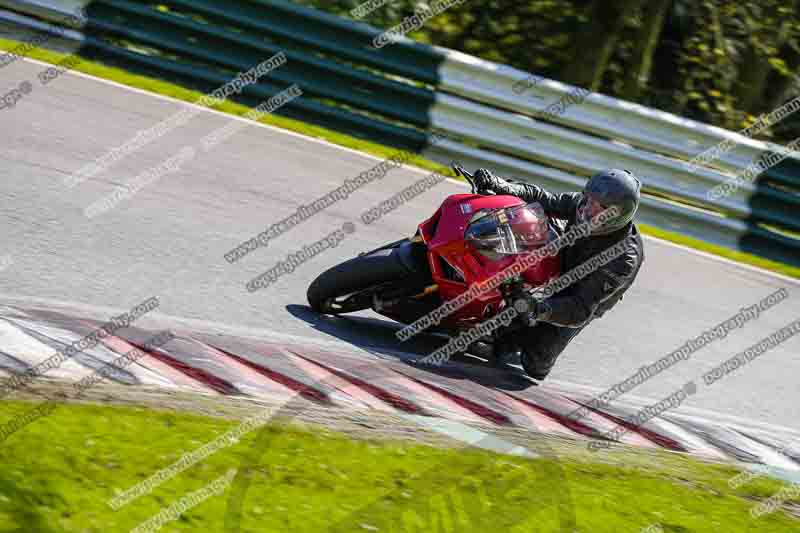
(181, 93)
(58, 473)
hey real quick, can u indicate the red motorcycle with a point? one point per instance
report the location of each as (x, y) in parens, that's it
(469, 239)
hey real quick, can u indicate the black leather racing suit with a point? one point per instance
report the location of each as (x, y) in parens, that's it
(571, 309)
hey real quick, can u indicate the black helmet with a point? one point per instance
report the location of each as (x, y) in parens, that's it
(610, 188)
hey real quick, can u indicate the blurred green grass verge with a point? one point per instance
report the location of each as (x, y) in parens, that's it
(59, 473)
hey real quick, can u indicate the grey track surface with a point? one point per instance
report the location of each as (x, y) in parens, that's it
(169, 240)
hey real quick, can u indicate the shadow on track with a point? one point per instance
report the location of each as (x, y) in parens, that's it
(377, 336)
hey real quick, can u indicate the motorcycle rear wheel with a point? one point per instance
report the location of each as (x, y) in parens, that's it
(347, 287)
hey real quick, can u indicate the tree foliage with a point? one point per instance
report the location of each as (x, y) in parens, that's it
(719, 61)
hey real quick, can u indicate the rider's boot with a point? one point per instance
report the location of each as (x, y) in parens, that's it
(535, 367)
(510, 348)
(499, 352)
(507, 351)
(483, 348)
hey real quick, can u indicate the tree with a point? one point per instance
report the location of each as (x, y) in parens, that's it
(644, 47)
(595, 42)
(760, 55)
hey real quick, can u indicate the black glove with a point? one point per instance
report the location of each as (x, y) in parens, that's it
(486, 181)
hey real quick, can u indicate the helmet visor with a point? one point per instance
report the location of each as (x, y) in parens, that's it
(600, 217)
(509, 231)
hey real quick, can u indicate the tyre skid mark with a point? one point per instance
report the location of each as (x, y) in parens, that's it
(735, 443)
(245, 379)
(537, 419)
(481, 410)
(147, 361)
(655, 437)
(386, 397)
(307, 392)
(201, 376)
(787, 449)
(92, 359)
(22, 345)
(276, 359)
(564, 421)
(378, 371)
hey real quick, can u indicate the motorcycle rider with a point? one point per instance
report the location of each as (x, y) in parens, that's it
(559, 318)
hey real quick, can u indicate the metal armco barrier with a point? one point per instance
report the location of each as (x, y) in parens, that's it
(400, 94)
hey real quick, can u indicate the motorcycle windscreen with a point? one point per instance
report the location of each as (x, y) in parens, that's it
(508, 231)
